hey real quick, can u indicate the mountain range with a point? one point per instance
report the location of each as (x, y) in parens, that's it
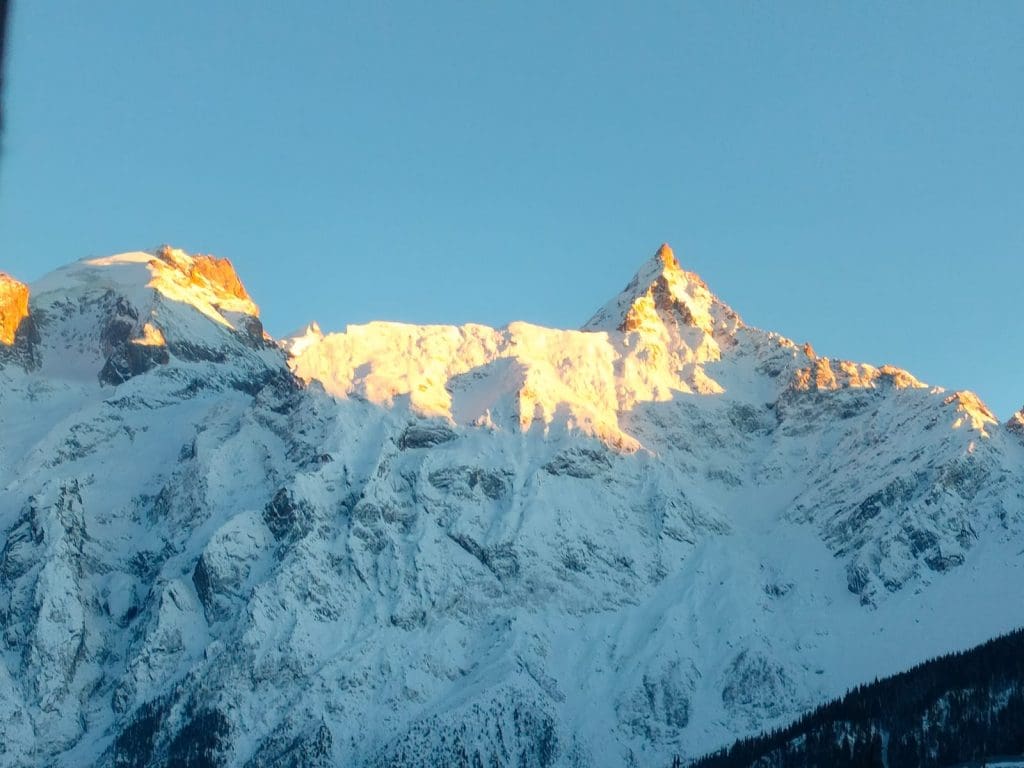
(461, 545)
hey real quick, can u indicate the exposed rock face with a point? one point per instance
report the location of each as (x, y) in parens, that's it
(821, 375)
(219, 273)
(127, 356)
(206, 274)
(18, 333)
(404, 545)
(1016, 423)
(13, 307)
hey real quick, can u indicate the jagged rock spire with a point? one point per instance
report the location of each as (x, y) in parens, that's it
(1016, 422)
(663, 293)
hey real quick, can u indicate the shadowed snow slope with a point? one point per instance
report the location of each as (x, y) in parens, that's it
(440, 545)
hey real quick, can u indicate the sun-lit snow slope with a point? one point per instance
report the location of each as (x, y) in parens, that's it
(656, 341)
(432, 545)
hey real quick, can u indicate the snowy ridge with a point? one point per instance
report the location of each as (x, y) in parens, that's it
(434, 545)
(662, 338)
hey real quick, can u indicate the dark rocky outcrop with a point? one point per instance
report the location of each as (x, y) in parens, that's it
(287, 518)
(581, 463)
(425, 435)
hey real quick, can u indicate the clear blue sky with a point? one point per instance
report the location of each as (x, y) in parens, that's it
(845, 173)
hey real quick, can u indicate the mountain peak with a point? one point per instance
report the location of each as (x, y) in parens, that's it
(206, 283)
(662, 294)
(126, 313)
(667, 257)
(1016, 422)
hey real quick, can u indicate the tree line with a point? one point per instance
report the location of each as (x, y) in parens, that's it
(961, 708)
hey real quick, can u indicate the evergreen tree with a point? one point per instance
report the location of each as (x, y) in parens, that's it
(957, 708)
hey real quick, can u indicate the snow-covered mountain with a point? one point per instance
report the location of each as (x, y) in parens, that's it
(438, 545)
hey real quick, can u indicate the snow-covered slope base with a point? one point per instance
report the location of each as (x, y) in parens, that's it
(405, 545)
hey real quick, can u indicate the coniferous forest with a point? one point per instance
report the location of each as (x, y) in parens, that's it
(963, 708)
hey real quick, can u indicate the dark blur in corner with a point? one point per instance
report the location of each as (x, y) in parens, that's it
(3, 52)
